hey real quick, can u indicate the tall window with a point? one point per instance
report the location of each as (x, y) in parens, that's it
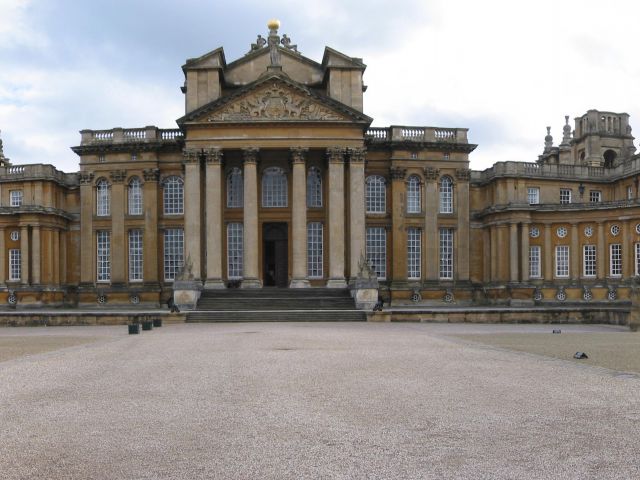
(595, 196)
(562, 261)
(314, 188)
(173, 252)
(414, 253)
(14, 264)
(637, 258)
(103, 255)
(565, 196)
(589, 260)
(173, 196)
(533, 195)
(274, 187)
(446, 253)
(377, 250)
(235, 189)
(629, 193)
(135, 196)
(15, 197)
(103, 199)
(413, 194)
(375, 194)
(135, 255)
(446, 195)
(615, 266)
(314, 250)
(235, 250)
(534, 262)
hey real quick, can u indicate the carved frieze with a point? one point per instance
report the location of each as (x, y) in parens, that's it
(298, 154)
(431, 173)
(336, 154)
(397, 173)
(151, 174)
(271, 103)
(86, 178)
(463, 173)
(118, 176)
(357, 155)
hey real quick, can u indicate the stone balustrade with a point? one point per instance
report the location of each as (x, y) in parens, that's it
(130, 135)
(37, 171)
(416, 134)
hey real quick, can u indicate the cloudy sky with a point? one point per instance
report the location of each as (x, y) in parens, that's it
(503, 68)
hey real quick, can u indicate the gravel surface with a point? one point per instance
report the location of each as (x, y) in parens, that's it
(307, 400)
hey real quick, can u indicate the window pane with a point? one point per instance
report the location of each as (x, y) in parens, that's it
(377, 250)
(314, 250)
(103, 255)
(173, 252)
(135, 197)
(14, 264)
(314, 188)
(235, 250)
(589, 259)
(103, 200)
(274, 188)
(413, 195)
(533, 194)
(534, 261)
(446, 195)
(414, 251)
(616, 259)
(562, 261)
(235, 189)
(446, 253)
(375, 194)
(173, 196)
(135, 255)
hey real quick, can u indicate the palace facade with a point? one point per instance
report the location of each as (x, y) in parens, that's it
(275, 177)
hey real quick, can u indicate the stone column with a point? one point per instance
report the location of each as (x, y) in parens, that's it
(55, 274)
(118, 235)
(501, 259)
(398, 240)
(356, 209)
(513, 252)
(548, 253)
(601, 260)
(192, 208)
(86, 229)
(431, 240)
(3, 257)
(299, 219)
(24, 254)
(486, 250)
(494, 252)
(574, 253)
(214, 231)
(462, 211)
(150, 234)
(63, 258)
(525, 252)
(335, 159)
(36, 245)
(627, 254)
(250, 237)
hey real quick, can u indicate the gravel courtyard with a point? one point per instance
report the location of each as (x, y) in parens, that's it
(303, 400)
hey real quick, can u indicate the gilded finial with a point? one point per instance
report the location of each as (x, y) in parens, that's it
(273, 24)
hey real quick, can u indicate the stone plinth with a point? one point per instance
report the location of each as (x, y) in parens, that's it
(186, 294)
(365, 293)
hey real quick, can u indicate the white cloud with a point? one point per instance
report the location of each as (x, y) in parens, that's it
(15, 29)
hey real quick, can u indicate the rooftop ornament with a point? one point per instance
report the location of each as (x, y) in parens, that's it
(273, 41)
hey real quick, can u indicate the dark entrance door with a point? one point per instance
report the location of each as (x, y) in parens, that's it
(275, 255)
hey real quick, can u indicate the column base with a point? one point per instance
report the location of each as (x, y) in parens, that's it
(336, 283)
(214, 284)
(251, 283)
(299, 283)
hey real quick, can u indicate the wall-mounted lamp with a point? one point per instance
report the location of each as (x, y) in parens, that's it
(581, 189)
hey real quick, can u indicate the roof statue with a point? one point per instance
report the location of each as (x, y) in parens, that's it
(273, 41)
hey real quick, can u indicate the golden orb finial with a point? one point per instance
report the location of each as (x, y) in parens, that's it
(273, 24)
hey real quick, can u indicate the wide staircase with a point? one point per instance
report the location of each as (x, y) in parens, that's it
(272, 304)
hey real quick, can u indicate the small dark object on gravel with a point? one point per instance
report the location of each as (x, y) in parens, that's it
(580, 355)
(147, 325)
(157, 322)
(134, 328)
(557, 331)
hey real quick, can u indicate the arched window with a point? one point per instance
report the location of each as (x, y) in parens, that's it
(173, 196)
(103, 198)
(235, 188)
(135, 196)
(314, 188)
(376, 195)
(446, 195)
(413, 194)
(274, 187)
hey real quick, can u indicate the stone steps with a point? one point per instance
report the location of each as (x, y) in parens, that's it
(278, 316)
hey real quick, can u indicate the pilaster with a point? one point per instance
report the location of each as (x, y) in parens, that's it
(299, 219)
(627, 254)
(3, 256)
(524, 235)
(601, 259)
(250, 237)
(86, 228)
(548, 253)
(574, 253)
(431, 239)
(214, 230)
(24, 255)
(356, 209)
(118, 246)
(398, 240)
(337, 233)
(36, 257)
(462, 212)
(150, 234)
(192, 208)
(513, 252)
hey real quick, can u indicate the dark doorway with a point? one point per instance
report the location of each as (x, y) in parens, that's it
(275, 255)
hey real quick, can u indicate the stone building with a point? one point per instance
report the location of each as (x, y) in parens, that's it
(275, 177)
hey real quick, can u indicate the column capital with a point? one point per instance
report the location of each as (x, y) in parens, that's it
(357, 155)
(250, 155)
(336, 154)
(463, 174)
(298, 154)
(431, 173)
(86, 178)
(213, 156)
(190, 155)
(118, 176)
(151, 174)
(397, 173)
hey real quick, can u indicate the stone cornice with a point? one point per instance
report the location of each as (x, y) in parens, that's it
(100, 148)
(428, 146)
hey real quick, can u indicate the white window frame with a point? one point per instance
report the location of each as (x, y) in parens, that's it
(414, 253)
(136, 259)
(565, 196)
(235, 250)
(562, 253)
(595, 196)
(173, 253)
(315, 250)
(376, 194)
(447, 253)
(615, 260)
(135, 196)
(533, 195)
(16, 197)
(15, 264)
(445, 187)
(275, 192)
(589, 261)
(314, 188)
(376, 244)
(235, 188)
(103, 256)
(534, 262)
(629, 192)
(414, 197)
(173, 196)
(103, 198)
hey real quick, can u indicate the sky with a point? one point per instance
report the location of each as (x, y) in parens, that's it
(505, 69)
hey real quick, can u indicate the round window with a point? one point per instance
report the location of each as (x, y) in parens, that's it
(561, 232)
(588, 231)
(15, 235)
(615, 230)
(535, 232)
(638, 228)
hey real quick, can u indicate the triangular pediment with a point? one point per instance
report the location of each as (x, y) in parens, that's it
(275, 98)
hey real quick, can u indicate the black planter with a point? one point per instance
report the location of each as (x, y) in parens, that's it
(147, 325)
(157, 322)
(134, 328)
